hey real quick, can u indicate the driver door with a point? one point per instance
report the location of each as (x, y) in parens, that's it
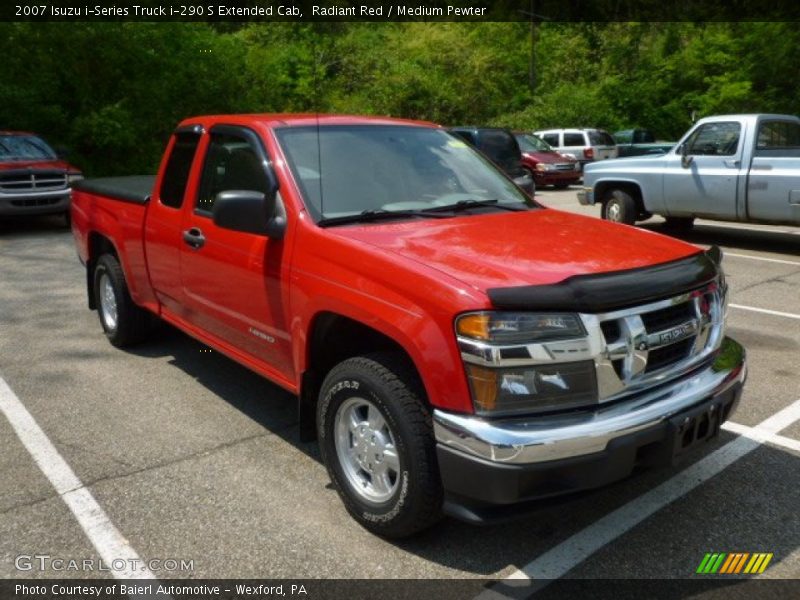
(234, 282)
(708, 185)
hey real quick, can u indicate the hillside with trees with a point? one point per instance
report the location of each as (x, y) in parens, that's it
(112, 92)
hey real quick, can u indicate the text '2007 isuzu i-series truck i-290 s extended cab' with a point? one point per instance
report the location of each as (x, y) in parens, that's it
(455, 347)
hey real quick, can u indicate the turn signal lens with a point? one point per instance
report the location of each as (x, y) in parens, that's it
(474, 326)
(483, 383)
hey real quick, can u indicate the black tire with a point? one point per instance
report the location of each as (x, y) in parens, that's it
(561, 186)
(620, 207)
(679, 223)
(67, 217)
(385, 382)
(132, 324)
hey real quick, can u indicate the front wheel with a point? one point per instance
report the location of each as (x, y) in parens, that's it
(377, 443)
(620, 207)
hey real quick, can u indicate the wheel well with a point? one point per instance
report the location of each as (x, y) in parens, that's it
(332, 339)
(98, 245)
(602, 188)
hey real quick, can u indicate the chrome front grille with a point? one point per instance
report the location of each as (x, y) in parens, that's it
(565, 166)
(632, 348)
(32, 181)
(656, 341)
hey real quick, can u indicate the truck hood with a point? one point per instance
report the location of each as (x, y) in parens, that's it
(623, 162)
(56, 164)
(512, 249)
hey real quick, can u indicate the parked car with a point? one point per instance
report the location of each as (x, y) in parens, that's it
(586, 145)
(33, 179)
(636, 142)
(500, 146)
(455, 347)
(547, 167)
(730, 167)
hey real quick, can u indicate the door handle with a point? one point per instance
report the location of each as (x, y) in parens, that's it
(194, 237)
(733, 164)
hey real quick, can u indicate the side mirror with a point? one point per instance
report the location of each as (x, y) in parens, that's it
(250, 211)
(686, 159)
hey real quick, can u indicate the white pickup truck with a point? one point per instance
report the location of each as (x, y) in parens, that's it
(729, 167)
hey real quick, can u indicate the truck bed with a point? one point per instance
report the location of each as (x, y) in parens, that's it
(134, 188)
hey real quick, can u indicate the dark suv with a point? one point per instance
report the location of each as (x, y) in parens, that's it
(501, 147)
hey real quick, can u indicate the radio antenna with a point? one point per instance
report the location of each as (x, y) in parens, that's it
(317, 63)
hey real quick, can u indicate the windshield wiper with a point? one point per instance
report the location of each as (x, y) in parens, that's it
(467, 204)
(378, 214)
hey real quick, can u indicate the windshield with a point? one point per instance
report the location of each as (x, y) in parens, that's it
(347, 170)
(24, 147)
(531, 143)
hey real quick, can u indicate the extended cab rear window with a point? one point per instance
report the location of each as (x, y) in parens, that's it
(179, 163)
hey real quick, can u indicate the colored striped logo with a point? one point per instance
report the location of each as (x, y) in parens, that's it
(734, 562)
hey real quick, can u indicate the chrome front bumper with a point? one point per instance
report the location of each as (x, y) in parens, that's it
(521, 441)
(586, 196)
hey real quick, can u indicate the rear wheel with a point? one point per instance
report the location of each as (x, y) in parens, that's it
(377, 443)
(123, 322)
(561, 186)
(620, 207)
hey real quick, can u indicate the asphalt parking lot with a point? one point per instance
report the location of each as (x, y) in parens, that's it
(193, 458)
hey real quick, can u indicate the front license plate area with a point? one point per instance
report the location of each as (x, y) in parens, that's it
(688, 430)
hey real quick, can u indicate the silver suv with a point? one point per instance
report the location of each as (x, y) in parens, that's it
(586, 145)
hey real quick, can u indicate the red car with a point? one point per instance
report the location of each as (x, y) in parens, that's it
(455, 347)
(547, 166)
(33, 179)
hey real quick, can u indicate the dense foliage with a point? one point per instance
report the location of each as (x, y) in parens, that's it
(112, 92)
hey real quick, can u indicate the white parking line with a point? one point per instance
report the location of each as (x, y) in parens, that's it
(753, 227)
(559, 560)
(758, 436)
(110, 544)
(766, 311)
(764, 259)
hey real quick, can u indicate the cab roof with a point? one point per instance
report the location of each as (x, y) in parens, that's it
(300, 120)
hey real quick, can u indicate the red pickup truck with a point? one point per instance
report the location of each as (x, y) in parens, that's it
(33, 180)
(455, 347)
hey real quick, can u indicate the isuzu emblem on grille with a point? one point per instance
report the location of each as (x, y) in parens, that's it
(678, 333)
(635, 344)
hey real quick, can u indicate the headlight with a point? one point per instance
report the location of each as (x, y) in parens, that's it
(73, 177)
(510, 390)
(515, 328)
(544, 167)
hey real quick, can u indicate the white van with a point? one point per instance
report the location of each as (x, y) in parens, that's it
(586, 145)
